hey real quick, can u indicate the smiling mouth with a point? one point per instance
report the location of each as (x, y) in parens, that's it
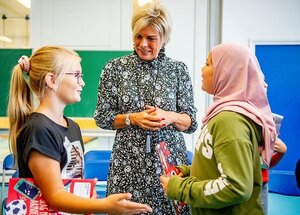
(145, 51)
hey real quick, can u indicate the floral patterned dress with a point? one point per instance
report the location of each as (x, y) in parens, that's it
(127, 84)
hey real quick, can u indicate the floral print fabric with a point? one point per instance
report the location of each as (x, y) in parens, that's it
(128, 84)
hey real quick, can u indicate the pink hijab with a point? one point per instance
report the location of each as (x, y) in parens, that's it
(239, 87)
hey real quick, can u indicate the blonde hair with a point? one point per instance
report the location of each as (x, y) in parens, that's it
(47, 59)
(153, 14)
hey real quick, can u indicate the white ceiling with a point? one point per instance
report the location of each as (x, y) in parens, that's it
(12, 8)
(15, 27)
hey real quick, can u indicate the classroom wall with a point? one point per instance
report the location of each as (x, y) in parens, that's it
(105, 25)
(89, 25)
(273, 20)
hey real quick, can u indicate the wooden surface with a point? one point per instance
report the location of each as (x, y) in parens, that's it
(88, 128)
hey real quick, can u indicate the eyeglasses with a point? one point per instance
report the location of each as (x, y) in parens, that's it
(77, 75)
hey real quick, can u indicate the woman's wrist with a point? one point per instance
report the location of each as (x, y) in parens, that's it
(132, 117)
(173, 117)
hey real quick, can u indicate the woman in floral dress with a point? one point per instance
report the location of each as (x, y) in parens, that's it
(148, 98)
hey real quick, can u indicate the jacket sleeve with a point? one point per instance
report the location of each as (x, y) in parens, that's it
(184, 169)
(234, 178)
(107, 102)
(185, 97)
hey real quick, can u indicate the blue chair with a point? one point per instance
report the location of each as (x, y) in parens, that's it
(283, 182)
(190, 156)
(96, 165)
(8, 164)
(93, 155)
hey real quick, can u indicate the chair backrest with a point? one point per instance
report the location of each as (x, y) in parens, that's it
(96, 164)
(93, 155)
(8, 164)
(15, 174)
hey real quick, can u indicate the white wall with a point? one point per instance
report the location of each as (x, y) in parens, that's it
(268, 20)
(201, 48)
(182, 46)
(92, 25)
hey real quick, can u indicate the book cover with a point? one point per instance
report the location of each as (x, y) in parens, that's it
(25, 198)
(169, 169)
(278, 121)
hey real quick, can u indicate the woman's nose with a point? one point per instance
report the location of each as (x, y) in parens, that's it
(82, 83)
(144, 42)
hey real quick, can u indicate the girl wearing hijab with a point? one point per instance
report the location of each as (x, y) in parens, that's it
(225, 175)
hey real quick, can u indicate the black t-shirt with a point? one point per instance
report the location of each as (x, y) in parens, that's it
(60, 143)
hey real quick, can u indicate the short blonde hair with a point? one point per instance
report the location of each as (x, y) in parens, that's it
(153, 14)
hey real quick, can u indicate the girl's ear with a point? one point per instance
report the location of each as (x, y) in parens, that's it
(51, 81)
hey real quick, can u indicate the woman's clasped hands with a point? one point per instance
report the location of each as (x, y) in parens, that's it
(152, 118)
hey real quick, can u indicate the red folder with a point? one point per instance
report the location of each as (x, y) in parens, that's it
(169, 169)
(25, 198)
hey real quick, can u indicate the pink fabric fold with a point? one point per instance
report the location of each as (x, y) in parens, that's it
(239, 86)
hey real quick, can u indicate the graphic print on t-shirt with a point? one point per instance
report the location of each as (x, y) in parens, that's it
(205, 144)
(206, 139)
(74, 165)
